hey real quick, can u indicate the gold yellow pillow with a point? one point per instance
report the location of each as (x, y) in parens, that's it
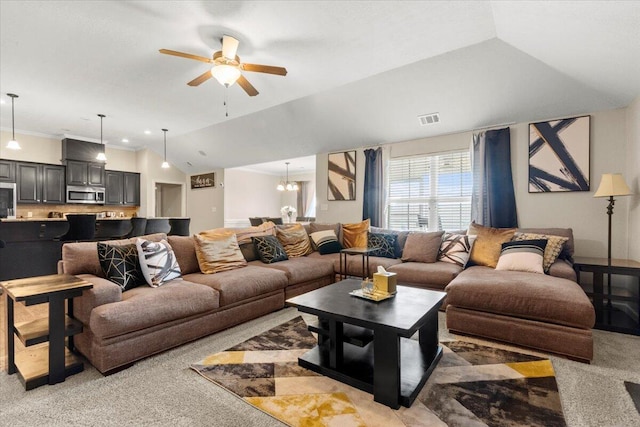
(244, 235)
(486, 249)
(218, 252)
(294, 239)
(355, 235)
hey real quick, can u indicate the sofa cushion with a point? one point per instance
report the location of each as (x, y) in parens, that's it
(333, 257)
(245, 283)
(269, 249)
(294, 239)
(185, 250)
(553, 248)
(422, 246)
(524, 295)
(145, 307)
(218, 252)
(434, 275)
(325, 242)
(385, 245)
(523, 255)
(157, 262)
(302, 269)
(563, 269)
(355, 235)
(456, 248)
(120, 264)
(489, 240)
(354, 264)
(82, 257)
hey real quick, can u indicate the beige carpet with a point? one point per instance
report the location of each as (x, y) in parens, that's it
(162, 390)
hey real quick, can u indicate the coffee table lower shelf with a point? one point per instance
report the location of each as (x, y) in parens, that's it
(33, 366)
(357, 369)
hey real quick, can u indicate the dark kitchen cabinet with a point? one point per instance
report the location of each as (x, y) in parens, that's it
(40, 183)
(85, 173)
(123, 188)
(7, 171)
(131, 187)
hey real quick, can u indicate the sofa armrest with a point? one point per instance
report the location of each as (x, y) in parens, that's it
(563, 269)
(103, 292)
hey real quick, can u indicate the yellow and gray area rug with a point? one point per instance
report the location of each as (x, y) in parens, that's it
(473, 385)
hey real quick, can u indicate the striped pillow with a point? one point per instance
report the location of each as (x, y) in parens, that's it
(326, 241)
(551, 251)
(524, 255)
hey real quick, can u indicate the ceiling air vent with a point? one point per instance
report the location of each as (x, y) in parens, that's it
(429, 119)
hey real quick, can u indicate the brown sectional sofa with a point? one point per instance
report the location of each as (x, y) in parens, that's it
(545, 312)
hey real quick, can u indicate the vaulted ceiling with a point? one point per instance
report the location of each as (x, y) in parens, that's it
(360, 72)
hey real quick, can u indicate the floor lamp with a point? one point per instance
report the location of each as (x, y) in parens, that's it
(611, 184)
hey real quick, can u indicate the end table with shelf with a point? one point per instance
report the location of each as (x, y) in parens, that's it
(608, 317)
(52, 363)
(364, 252)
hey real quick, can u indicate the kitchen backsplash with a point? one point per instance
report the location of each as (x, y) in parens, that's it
(42, 211)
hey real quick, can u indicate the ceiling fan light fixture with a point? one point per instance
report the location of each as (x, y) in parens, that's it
(225, 74)
(13, 144)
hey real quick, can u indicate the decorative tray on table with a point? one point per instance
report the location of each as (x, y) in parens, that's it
(374, 295)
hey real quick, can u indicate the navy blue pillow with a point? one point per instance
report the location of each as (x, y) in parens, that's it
(384, 244)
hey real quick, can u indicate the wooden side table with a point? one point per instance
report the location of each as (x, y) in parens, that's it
(607, 318)
(47, 364)
(365, 252)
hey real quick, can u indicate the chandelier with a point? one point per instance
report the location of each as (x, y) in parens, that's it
(286, 185)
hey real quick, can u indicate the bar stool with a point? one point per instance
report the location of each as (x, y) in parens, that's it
(81, 227)
(179, 226)
(138, 226)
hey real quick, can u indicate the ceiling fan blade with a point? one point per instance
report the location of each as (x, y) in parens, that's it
(269, 69)
(248, 87)
(200, 79)
(186, 55)
(229, 47)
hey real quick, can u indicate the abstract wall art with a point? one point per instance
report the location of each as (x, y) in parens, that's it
(559, 155)
(342, 176)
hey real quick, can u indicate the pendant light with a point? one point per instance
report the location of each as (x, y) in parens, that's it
(101, 156)
(165, 164)
(286, 185)
(13, 144)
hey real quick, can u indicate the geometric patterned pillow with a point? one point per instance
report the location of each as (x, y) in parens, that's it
(157, 262)
(120, 265)
(455, 248)
(269, 249)
(553, 249)
(384, 244)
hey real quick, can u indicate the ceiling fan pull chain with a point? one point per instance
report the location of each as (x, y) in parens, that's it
(226, 107)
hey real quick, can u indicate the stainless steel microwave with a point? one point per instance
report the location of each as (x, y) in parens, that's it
(89, 195)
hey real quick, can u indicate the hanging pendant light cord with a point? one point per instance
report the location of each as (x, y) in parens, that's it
(13, 123)
(165, 143)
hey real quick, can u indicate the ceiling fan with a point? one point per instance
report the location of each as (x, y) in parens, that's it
(227, 68)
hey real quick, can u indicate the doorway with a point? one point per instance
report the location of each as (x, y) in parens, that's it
(168, 200)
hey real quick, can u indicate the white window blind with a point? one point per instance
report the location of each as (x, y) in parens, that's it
(430, 192)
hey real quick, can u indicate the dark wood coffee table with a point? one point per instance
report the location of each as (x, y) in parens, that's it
(394, 368)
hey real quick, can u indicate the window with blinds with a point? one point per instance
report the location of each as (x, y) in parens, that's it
(430, 192)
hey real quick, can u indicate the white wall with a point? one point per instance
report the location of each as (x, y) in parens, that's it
(44, 149)
(205, 206)
(578, 210)
(632, 177)
(150, 163)
(249, 194)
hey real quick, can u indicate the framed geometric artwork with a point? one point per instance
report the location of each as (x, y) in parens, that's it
(204, 180)
(342, 176)
(559, 155)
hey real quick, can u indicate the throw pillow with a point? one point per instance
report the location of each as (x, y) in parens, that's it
(385, 245)
(294, 239)
(269, 249)
(422, 246)
(157, 262)
(553, 249)
(218, 252)
(355, 235)
(400, 240)
(455, 248)
(318, 226)
(244, 235)
(524, 255)
(326, 241)
(120, 265)
(486, 249)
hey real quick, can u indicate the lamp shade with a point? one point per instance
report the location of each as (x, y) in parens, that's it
(226, 75)
(612, 184)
